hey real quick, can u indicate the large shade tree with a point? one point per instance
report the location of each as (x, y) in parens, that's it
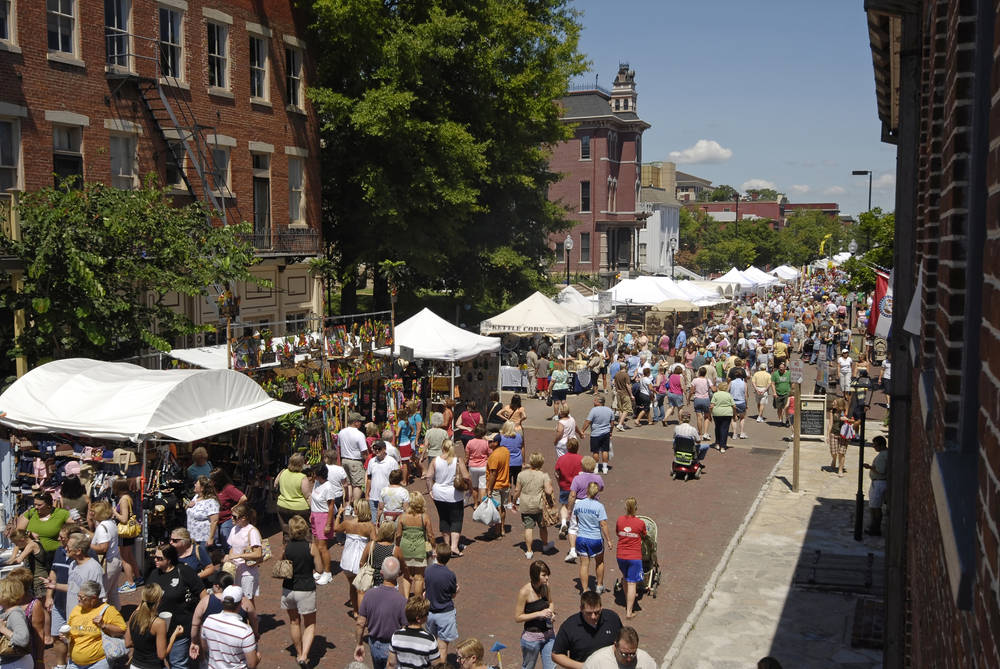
(437, 117)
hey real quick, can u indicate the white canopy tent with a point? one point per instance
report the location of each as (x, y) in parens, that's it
(433, 338)
(573, 300)
(761, 277)
(119, 401)
(641, 292)
(735, 276)
(786, 272)
(536, 315)
(700, 295)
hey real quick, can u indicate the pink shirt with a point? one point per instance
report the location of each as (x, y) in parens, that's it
(701, 388)
(478, 451)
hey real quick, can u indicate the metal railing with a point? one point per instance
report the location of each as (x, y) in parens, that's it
(285, 241)
(578, 88)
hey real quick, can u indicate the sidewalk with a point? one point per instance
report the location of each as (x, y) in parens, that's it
(752, 606)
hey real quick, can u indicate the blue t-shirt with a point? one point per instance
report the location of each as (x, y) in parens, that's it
(589, 514)
(60, 565)
(513, 444)
(633, 365)
(614, 368)
(413, 420)
(738, 389)
(600, 420)
(405, 432)
(682, 339)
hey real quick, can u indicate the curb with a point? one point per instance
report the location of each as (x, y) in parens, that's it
(692, 619)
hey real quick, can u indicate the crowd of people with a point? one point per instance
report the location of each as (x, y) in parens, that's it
(365, 495)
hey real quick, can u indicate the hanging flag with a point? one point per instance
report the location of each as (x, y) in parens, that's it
(881, 318)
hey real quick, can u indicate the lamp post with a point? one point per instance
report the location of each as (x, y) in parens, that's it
(862, 388)
(737, 220)
(673, 248)
(861, 173)
(852, 247)
(567, 247)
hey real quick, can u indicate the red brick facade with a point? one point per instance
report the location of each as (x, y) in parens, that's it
(44, 91)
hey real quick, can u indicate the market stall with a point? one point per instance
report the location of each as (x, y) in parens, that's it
(115, 421)
(762, 278)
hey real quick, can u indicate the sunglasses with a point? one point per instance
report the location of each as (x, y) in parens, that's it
(159, 558)
(175, 540)
(629, 655)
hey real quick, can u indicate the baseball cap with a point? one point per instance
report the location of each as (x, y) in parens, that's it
(680, 327)
(233, 593)
(355, 417)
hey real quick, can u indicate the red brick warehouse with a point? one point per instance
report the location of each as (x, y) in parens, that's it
(207, 95)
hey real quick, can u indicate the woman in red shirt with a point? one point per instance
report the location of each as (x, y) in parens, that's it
(229, 496)
(630, 530)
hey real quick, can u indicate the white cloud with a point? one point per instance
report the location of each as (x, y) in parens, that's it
(834, 190)
(705, 151)
(885, 181)
(809, 163)
(799, 190)
(756, 184)
(829, 163)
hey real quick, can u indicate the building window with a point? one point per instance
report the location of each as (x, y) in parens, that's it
(296, 190)
(726, 209)
(9, 144)
(171, 44)
(220, 168)
(6, 21)
(626, 105)
(116, 32)
(584, 196)
(262, 200)
(585, 147)
(61, 20)
(176, 155)
(67, 156)
(218, 58)
(122, 152)
(618, 105)
(584, 247)
(293, 76)
(560, 252)
(642, 254)
(295, 322)
(258, 68)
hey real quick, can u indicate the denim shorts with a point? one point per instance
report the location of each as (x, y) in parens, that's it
(741, 407)
(444, 625)
(564, 497)
(701, 405)
(675, 400)
(631, 569)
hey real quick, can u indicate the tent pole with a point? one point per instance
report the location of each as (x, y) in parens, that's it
(452, 379)
(141, 558)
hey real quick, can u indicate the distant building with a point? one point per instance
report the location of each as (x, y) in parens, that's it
(831, 209)
(745, 209)
(688, 186)
(660, 237)
(602, 166)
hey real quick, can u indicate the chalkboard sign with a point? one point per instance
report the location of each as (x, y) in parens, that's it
(813, 417)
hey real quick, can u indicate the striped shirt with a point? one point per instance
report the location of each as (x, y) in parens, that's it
(414, 648)
(228, 640)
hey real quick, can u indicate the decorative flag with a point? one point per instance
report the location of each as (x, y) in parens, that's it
(881, 318)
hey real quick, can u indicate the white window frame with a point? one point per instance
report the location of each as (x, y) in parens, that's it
(74, 26)
(297, 190)
(120, 178)
(177, 148)
(263, 68)
(642, 253)
(11, 38)
(560, 253)
(72, 130)
(178, 75)
(586, 148)
(119, 60)
(218, 63)
(15, 147)
(293, 79)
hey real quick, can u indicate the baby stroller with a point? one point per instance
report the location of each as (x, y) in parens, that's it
(650, 561)
(686, 463)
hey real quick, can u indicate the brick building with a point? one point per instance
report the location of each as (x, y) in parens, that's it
(206, 94)
(831, 209)
(732, 210)
(937, 95)
(600, 188)
(689, 186)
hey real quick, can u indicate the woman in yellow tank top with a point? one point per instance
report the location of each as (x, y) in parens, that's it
(294, 489)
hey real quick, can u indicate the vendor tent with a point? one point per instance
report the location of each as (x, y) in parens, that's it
(735, 276)
(761, 277)
(572, 299)
(217, 356)
(536, 315)
(120, 401)
(786, 272)
(675, 305)
(433, 338)
(638, 292)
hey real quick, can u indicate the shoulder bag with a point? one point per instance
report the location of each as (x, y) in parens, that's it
(8, 649)
(114, 647)
(282, 569)
(460, 483)
(366, 575)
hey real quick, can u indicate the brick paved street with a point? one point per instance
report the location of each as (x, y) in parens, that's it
(696, 521)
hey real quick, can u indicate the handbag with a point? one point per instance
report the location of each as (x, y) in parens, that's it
(548, 400)
(114, 648)
(8, 649)
(550, 511)
(129, 530)
(460, 483)
(366, 575)
(265, 553)
(282, 569)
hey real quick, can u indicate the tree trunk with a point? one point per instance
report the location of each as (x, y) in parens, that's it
(380, 293)
(349, 292)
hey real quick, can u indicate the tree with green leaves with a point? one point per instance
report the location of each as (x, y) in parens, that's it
(875, 236)
(99, 263)
(763, 194)
(721, 193)
(436, 119)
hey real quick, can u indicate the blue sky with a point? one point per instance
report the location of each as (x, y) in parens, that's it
(786, 86)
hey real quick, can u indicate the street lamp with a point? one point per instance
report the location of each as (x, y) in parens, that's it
(861, 173)
(863, 392)
(567, 247)
(673, 248)
(852, 247)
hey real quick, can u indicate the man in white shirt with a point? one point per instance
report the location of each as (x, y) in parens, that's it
(352, 445)
(226, 640)
(623, 654)
(379, 468)
(685, 429)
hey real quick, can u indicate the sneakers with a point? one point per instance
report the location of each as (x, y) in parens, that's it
(549, 546)
(563, 530)
(571, 556)
(620, 428)
(128, 587)
(316, 576)
(606, 470)
(529, 555)
(600, 589)
(326, 578)
(743, 435)
(707, 436)
(760, 419)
